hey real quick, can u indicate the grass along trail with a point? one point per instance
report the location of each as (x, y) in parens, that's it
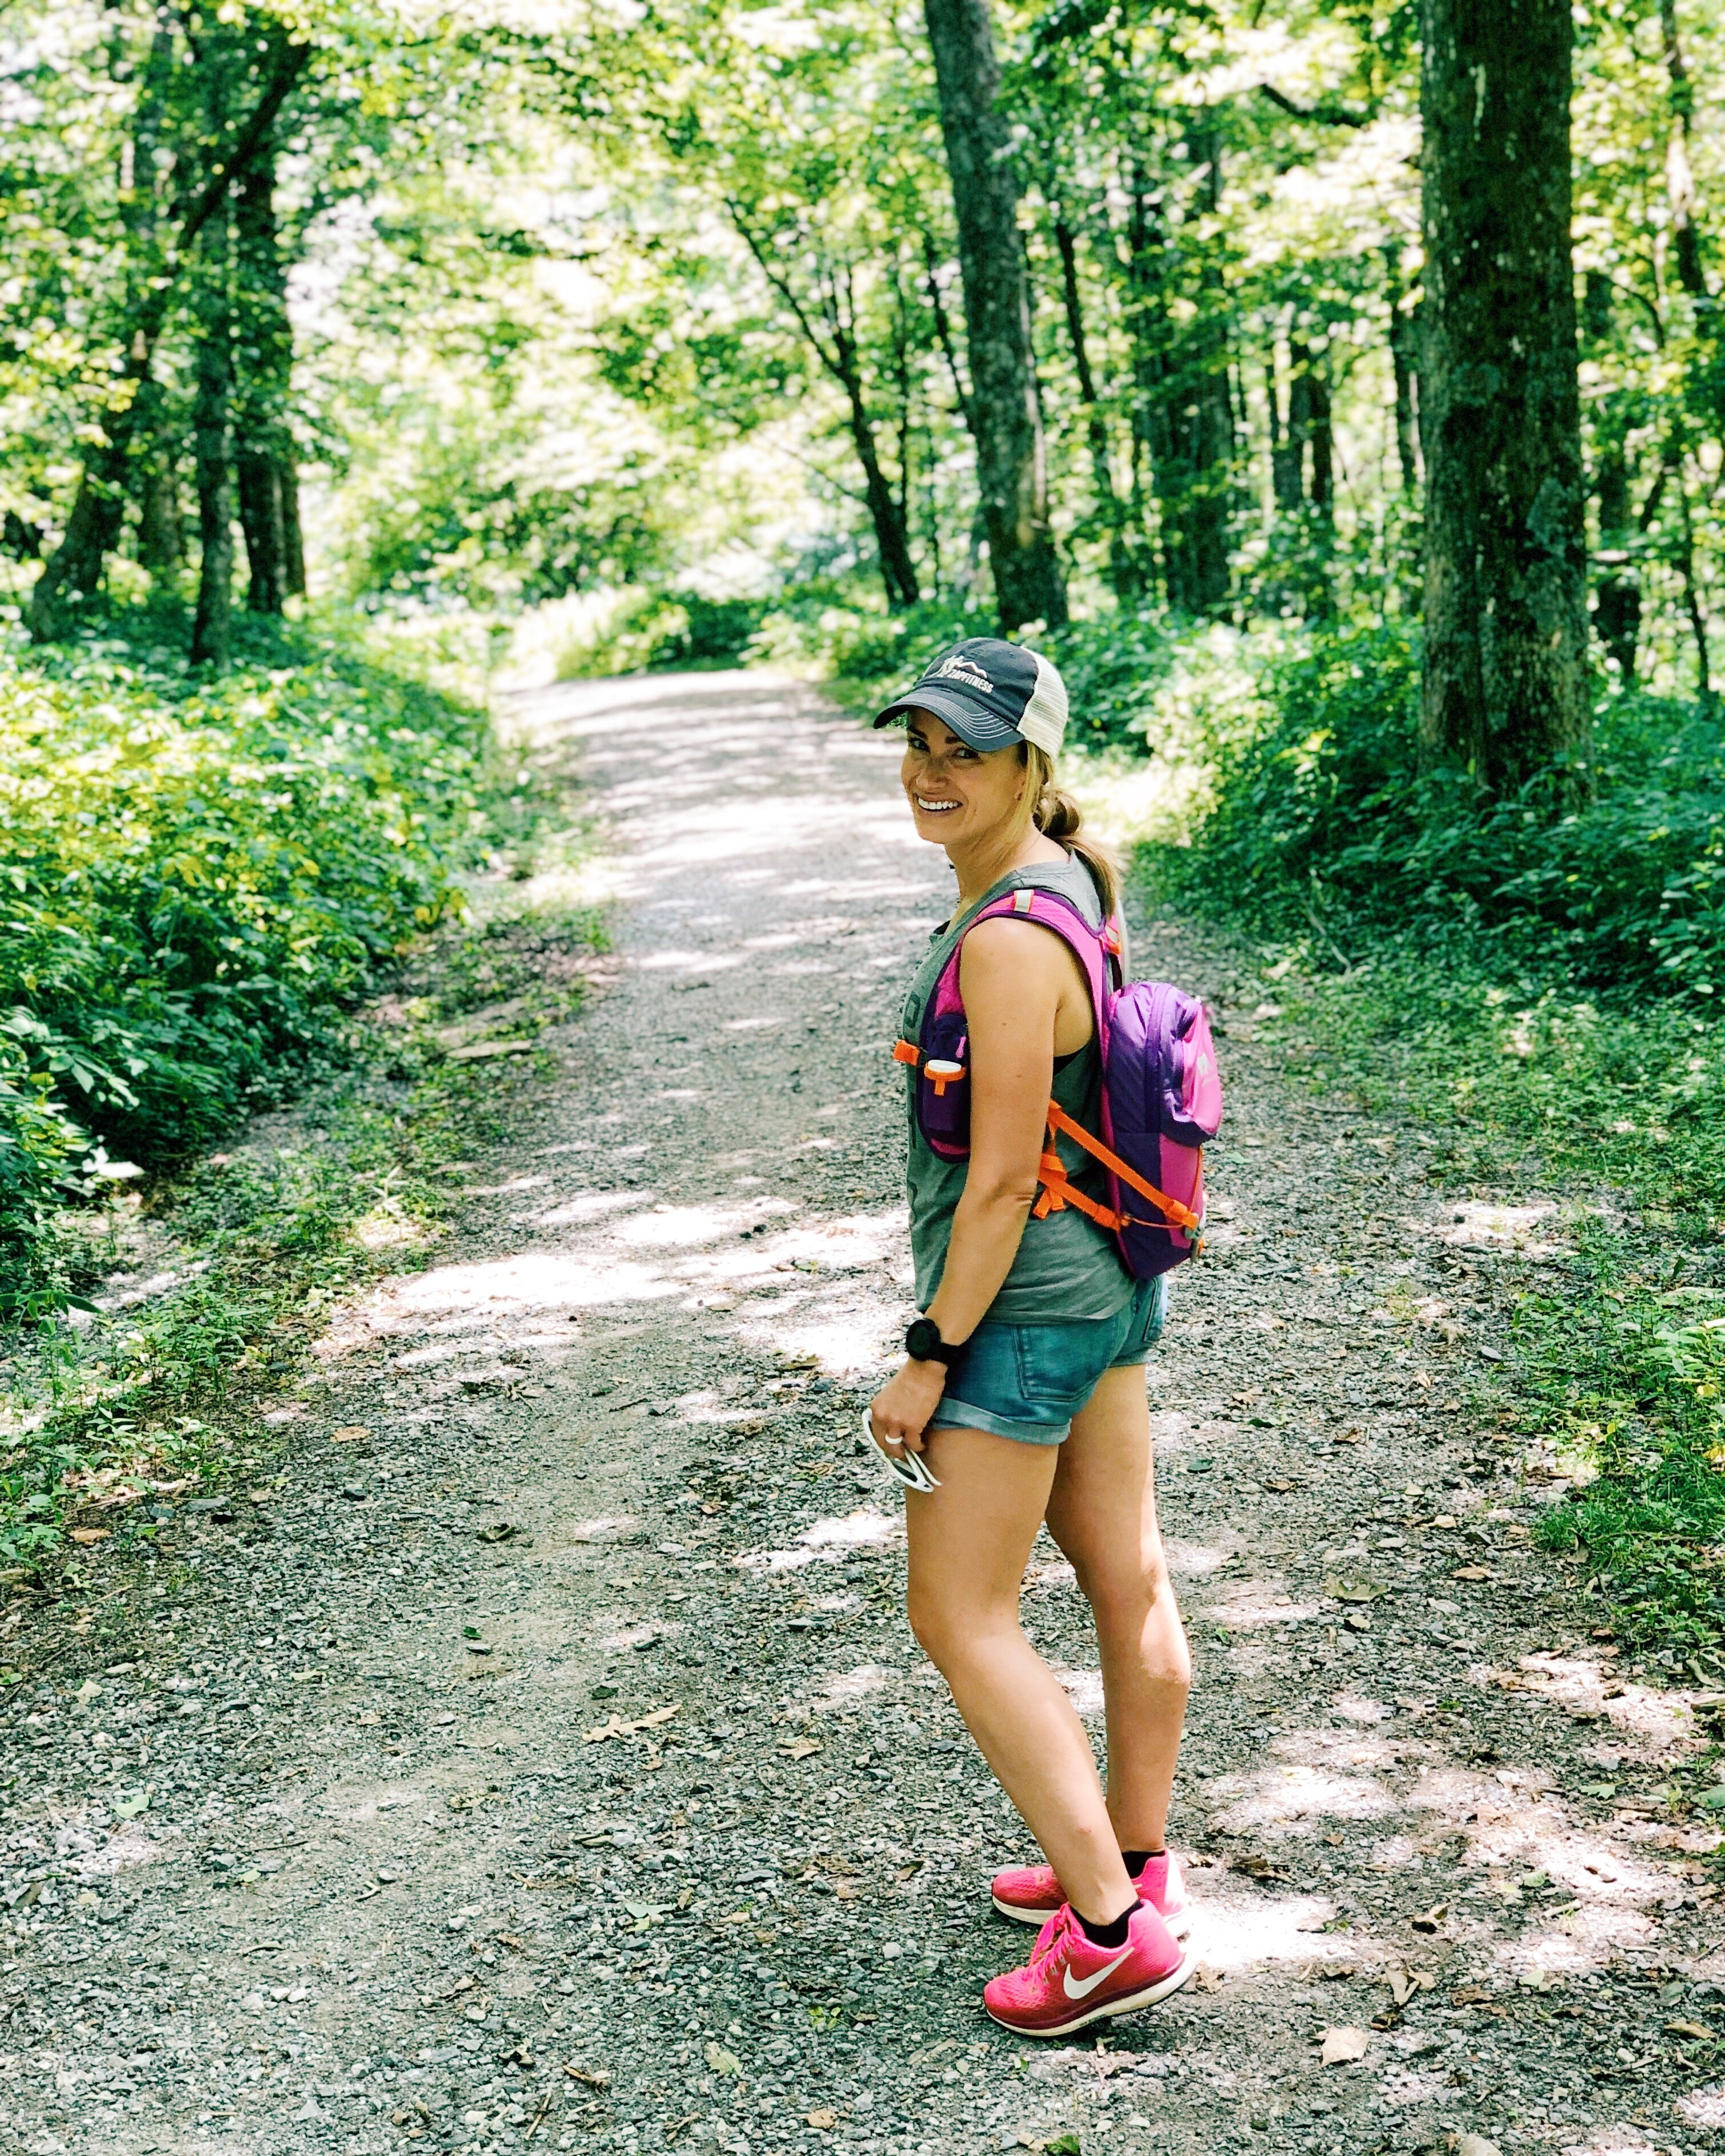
(549, 1765)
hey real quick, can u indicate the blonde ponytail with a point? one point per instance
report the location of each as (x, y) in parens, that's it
(1059, 817)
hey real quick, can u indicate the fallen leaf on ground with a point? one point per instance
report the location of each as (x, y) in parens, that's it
(1402, 1986)
(1471, 1994)
(355, 1433)
(1431, 1920)
(1687, 2029)
(1342, 2046)
(722, 2061)
(600, 2079)
(1475, 2144)
(87, 1535)
(1258, 1868)
(1205, 1978)
(1344, 1589)
(823, 2122)
(800, 1747)
(1346, 1437)
(1472, 1572)
(616, 1726)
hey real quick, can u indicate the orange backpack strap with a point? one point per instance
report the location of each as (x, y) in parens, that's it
(906, 1051)
(1181, 1216)
(1059, 1192)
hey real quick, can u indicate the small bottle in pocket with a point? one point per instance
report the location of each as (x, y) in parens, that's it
(943, 1102)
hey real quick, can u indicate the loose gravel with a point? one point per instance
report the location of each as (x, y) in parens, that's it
(546, 1762)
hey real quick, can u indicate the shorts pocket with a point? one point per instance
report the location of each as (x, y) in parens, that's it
(1059, 1364)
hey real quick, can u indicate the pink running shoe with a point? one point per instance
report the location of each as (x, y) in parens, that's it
(1031, 1896)
(1068, 1983)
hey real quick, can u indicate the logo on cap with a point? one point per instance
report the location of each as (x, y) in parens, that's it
(956, 667)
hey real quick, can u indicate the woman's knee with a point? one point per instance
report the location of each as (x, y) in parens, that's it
(949, 1629)
(1129, 1606)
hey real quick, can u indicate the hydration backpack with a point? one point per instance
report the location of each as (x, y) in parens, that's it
(1161, 1094)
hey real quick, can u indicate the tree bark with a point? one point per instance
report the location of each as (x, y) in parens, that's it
(1284, 477)
(212, 627)
(265, 353)
(1505, 687)
(287, 479)
(1011, 469)
(1404, 342)
(1617, 595)
(1679, 177)
(161, 542)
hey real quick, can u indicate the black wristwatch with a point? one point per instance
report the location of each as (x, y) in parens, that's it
(923, 1343)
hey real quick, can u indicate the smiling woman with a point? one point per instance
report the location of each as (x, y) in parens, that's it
(1023, 1389)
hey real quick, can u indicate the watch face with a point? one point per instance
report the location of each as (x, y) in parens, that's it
(921, 1339)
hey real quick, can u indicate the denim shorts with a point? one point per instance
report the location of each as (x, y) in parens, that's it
(1028, 1381)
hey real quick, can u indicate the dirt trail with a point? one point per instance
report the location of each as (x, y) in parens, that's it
(559, 1772)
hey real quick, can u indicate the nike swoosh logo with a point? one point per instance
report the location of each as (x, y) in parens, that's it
(1084, 1988)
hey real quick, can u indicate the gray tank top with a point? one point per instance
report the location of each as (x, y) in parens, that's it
(1067, 1268)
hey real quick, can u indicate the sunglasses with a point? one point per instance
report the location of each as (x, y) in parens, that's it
(908, 1468)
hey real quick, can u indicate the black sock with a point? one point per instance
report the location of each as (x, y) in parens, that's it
(1105, 1935)
(1136, 1859)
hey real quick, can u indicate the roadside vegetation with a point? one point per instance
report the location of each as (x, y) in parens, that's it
(319, 889)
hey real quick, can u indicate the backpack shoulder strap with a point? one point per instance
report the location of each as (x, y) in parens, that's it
(1097, 950)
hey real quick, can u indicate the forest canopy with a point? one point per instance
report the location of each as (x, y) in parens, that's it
(572, 303)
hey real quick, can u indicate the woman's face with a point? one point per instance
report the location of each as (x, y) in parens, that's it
(957, 793)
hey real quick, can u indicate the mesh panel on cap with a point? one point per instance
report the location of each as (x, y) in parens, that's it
(1045, 719)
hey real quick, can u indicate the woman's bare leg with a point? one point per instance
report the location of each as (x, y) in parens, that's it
(1102, 1512)
(969, 1542)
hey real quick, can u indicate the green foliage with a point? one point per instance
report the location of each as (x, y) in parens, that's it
(1322, 815)
(263, 1243)
(198, 883)
(651, 630)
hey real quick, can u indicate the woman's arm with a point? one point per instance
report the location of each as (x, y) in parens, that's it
(1014, 978)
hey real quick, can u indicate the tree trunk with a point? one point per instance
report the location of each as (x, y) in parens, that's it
(1285, 485)
(1404, 339)
(212, 627)
(1011, 471)
(1320, 434)
(74, 571)
(161, 542)
(287, 479)
(1679, 179)
(1505, 686)
(1617, 595)
(1096, 425)
(1203, 422)
(1617, 599)
(265, 354)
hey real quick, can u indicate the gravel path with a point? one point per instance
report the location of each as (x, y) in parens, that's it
(556, 1770)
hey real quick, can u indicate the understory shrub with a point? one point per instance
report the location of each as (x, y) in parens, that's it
(196, 882)
(1607, 873)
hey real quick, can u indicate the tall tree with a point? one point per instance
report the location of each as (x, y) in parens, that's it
(74, 571)
(263, 446)
(1012, 474)
(1505, 687)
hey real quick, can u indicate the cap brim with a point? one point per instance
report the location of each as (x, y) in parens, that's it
(977, 729)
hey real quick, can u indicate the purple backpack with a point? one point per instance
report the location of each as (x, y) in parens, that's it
(1161, 1094)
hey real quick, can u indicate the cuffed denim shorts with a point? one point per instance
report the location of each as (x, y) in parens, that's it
(1028, 1381)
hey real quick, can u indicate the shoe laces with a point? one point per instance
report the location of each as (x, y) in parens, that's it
(1055, 1936)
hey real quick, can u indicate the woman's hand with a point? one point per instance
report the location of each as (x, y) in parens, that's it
(899, 1413)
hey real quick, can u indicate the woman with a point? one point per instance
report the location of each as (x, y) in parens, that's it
(1024, 1386)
